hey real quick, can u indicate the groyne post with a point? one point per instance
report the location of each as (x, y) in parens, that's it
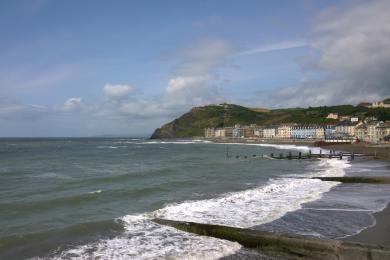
(280, 156)
(309, 154)
(341, 155)
(300, 155)
(289, 156)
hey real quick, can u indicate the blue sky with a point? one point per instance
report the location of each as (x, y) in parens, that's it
(85, 68)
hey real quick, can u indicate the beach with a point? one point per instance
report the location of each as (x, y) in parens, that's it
(379, 234)
(103, 193)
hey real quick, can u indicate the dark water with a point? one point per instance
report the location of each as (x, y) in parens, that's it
(90, 198)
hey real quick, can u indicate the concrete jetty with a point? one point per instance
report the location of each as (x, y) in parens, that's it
(283, 245)
(357, 179)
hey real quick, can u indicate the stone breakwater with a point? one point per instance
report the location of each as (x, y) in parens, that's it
(283, 245)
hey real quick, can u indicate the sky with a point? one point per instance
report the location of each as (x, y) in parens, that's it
(90, 68)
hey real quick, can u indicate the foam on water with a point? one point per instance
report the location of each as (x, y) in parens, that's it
(143, 239)
(196, 141)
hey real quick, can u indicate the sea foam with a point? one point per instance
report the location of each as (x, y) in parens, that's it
(144, 239)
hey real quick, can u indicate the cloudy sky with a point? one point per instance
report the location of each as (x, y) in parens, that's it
(87, 68)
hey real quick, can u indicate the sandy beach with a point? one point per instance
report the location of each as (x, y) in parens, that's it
(379, 234)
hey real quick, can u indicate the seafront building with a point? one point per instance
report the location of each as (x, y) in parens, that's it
(304, 132)
(285, 131)
(269, 132)
(347, 129)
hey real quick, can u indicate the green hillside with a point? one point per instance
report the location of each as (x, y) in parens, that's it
(193, 123)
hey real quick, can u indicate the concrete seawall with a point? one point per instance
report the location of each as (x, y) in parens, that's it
(286, 246)
(358, 179)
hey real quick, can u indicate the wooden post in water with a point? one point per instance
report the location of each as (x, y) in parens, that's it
(280, 156)
(309, 154)
(341, 155)
(300, 155)
(272, 155)
(227, 151)
(289, 156)
(375, 153)
(320, 153)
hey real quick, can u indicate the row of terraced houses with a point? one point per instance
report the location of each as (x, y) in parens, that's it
(348, 130)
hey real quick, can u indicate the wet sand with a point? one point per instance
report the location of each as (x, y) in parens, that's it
(379, 234)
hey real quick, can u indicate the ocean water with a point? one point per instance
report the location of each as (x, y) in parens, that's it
(94, 198)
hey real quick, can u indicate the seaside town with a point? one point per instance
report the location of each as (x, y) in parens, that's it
(344, 129)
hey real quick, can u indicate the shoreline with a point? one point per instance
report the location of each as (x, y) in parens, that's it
(377, 234)
(372, 151)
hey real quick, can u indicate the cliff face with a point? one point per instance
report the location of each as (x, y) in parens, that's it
(194, 122)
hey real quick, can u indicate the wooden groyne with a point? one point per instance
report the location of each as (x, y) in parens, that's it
(302, 156)
(283, 245)
(358, 179)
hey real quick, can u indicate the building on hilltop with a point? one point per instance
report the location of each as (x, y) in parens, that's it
(333, 116)
(379, 104)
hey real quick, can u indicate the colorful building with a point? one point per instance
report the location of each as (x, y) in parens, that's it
(284, 131)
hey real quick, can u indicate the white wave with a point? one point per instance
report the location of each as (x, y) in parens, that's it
(177, 142)
(143, 239)
(53, 175)
(95, 192)
(107, 147)
(110, 147)
(282, 146)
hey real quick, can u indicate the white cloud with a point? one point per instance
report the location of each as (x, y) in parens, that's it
(73, 105)
(117, 91)
(353, 51)
(15, 110)
(274, 47)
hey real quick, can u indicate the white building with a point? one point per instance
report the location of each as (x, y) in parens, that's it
(269, 132)
(333, 116)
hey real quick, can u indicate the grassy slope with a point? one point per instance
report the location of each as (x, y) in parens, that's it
(193, 123)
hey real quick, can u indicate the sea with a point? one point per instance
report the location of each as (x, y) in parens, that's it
(94, 198)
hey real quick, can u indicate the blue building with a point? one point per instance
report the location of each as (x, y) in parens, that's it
(304, 132)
